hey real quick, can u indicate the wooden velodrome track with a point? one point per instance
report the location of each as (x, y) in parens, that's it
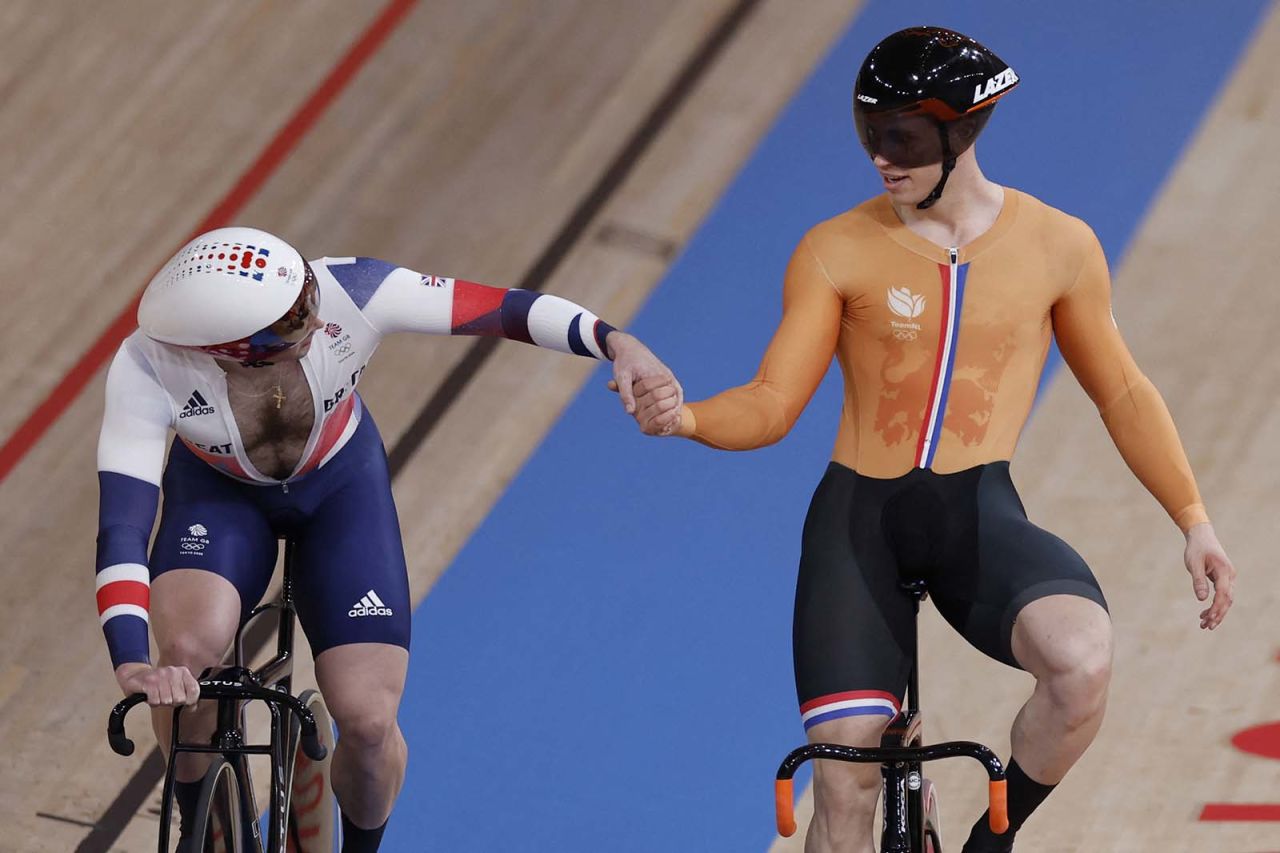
(477, 139)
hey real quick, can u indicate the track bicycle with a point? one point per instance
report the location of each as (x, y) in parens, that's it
(301, 817)
(910, 823)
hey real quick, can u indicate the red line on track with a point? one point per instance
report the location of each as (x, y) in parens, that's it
(1240, 812)
(286, 139)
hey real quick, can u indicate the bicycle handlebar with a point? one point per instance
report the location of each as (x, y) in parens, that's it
(217, 689)
(120, 744)
(784, 807)
(998, 804)
(784, 794)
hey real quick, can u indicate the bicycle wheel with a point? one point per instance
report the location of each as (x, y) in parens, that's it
(216, 824)
(313, 813)
(932, 827)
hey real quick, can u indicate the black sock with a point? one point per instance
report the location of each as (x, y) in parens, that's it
(357, 840)
(185, 795)
(1025, 795)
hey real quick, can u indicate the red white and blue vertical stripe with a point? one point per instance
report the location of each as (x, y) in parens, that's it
(337, 430)
(953, 279)
(854, 703)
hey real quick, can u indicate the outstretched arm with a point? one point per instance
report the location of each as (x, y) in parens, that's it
(407, 301)
(764, 410)
(412, 302)
(1139, 423)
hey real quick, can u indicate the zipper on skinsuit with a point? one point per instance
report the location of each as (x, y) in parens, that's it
(952, 294)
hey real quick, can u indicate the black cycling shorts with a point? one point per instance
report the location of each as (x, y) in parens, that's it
(966, 534)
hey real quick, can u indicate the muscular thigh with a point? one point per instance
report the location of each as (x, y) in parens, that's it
(213, 554)
(353, 585)
(1015, 563)
(1060, 634)
(852, 633)
(362, 681)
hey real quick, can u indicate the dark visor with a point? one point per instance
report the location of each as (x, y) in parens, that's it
(906, 140)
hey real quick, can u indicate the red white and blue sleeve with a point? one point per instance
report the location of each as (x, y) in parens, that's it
(400, 300)
(131, 447)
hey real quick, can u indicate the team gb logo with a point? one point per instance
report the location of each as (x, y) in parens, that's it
(904, 303)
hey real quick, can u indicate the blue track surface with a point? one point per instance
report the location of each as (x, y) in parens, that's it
(606, 666)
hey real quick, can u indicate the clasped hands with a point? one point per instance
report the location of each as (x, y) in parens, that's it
(647, 387)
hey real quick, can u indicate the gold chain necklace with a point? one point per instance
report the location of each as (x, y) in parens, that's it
(276, 391)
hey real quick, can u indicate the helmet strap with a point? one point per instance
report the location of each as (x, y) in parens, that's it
(948, 163)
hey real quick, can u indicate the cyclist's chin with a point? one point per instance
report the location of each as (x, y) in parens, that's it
(907, 186)
(297, 351)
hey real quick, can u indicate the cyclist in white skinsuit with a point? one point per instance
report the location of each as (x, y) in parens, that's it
(252, 356)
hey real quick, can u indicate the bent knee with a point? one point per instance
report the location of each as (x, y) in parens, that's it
(1077, 683)
(362, 685)
(1080, 695)
(1082, 662)
(194, 615)
(196, 650)
(845, 794)
(843, 790)
(1064, 636)
(367, 728)
(845, 782)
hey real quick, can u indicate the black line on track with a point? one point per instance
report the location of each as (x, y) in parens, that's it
(134, 794)
(60, 819)
(575, 227)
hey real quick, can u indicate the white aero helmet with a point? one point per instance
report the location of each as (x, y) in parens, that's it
(226, 292)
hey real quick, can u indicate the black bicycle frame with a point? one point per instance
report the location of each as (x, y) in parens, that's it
(233, 687)
(903, 780)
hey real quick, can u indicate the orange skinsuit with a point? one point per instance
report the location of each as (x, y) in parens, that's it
(921, 330)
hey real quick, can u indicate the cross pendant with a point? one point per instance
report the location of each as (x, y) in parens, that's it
(278, 397)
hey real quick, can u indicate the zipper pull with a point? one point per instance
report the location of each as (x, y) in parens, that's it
(955, 255)
(285, 487)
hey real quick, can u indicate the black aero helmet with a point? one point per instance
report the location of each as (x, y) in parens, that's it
(924, 94)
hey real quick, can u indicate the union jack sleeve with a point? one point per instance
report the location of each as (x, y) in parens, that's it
(412, 302)
(126, 511)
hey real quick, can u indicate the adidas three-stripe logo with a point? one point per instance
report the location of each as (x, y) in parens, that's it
(196, 405)
(369, 605)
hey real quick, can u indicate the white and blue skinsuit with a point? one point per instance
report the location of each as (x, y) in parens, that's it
(223, 515)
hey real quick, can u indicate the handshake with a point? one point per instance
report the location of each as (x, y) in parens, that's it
(648, 388)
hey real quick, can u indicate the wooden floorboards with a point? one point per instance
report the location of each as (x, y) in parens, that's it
(462, 148)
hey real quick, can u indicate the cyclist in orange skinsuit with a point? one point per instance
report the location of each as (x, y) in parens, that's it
(940, 308)
(888, 304)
